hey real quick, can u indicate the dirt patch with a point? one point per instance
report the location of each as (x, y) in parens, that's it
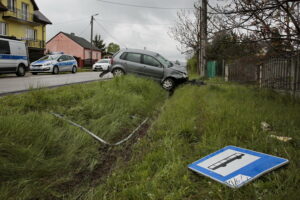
(109, 156)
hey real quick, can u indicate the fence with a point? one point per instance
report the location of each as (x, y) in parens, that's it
(274, 73)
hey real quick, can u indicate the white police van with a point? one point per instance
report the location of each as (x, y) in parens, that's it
(13, 56)
(54, 64)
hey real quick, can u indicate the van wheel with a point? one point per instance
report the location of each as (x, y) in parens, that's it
(55, 70)
(118, 72)
(21, 70)
(74, 69)
(168, 84)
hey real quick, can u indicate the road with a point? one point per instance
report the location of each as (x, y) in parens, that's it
(12, 84)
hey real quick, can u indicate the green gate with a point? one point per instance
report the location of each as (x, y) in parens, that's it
(211, 69)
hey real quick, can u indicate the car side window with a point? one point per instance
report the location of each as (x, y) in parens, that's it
(134, 57)
(61, 59)
(149, 60)
(4, 47)
(123, 56)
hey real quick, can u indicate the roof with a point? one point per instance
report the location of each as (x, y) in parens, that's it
(79, 40)
(140, 51)
(2, 7)
(35, 7)
(40, 17)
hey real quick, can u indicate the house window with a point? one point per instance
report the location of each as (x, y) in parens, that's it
(3, 28)
(31, 34)
(25, 11)
(11, 5)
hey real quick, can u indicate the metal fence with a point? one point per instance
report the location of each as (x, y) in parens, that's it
(274, 73)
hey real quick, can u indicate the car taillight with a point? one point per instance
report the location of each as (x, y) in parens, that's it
(111, 61)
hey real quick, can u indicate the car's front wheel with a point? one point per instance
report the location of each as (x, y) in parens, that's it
(168, 84)
(21, 70)
(55, 70)
(74, 69)
(118, 72)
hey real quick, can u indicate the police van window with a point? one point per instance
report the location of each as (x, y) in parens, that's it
(4, 47)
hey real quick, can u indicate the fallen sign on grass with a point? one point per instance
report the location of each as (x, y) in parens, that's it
(95, 136)
(235, 167)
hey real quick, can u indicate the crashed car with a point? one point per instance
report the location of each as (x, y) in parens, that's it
(148, 64)
(54, 64)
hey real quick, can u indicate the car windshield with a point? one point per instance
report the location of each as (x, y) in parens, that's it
(50, 57)
(103, 61)
(164, 61)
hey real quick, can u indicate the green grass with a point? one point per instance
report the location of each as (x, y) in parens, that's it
(42, 157)
(197, 121)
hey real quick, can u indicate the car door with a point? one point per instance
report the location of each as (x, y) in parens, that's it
(152, 67)
(62, 63)
(6, 59)
(133, 63)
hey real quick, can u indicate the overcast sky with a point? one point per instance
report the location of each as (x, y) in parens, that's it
(129, 27)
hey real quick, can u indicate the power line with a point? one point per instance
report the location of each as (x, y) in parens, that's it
(143, 6)
(127, 23)
(107, 32)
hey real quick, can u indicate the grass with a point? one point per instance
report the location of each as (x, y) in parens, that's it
(197, 121)
(42, 157)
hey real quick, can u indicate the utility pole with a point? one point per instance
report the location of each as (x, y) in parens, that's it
(203, 38)
(92, 31)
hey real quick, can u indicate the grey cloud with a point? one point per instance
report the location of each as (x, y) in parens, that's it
(133, 27)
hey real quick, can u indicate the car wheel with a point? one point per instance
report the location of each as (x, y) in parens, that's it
(168, 84)
(74, 69)
(33, 73)
(21, 70)
(118, 72)
(55, 70)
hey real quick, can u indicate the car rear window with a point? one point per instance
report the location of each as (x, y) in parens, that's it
(4, 47)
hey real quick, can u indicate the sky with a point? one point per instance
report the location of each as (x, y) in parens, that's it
(128, 26)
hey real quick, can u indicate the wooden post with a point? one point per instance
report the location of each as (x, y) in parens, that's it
(226, 73)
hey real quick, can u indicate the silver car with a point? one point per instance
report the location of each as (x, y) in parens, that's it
(148, 64)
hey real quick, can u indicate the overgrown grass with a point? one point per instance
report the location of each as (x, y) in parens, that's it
(197, 121)
(42, 157)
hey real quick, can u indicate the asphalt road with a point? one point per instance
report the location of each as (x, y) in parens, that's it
(13, 84)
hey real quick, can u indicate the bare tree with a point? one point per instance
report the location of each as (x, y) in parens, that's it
(273, 21)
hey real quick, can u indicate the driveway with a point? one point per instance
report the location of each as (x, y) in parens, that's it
(13, 84)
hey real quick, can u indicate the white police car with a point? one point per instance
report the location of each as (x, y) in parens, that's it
(54, 64)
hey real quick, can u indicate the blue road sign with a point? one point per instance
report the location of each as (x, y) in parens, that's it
(235, 167)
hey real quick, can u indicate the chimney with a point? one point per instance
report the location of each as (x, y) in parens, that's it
(73, 34)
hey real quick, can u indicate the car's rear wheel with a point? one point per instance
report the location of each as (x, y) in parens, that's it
(33, 73)
(55, 70)
(118, 72)
(74, 69)
(168, 84)
(21, 70)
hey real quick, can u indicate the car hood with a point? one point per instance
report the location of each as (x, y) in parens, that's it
(41, 62)
(179, 68)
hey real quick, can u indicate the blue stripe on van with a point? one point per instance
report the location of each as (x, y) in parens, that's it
(12, 57)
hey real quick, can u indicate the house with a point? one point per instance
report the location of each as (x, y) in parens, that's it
(76, 46)
(23, 20)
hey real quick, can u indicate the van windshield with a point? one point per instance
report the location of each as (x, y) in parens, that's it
(164, 61)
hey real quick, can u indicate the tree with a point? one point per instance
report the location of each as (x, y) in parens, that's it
(99, 43)
(113, 48)
(275, 22)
